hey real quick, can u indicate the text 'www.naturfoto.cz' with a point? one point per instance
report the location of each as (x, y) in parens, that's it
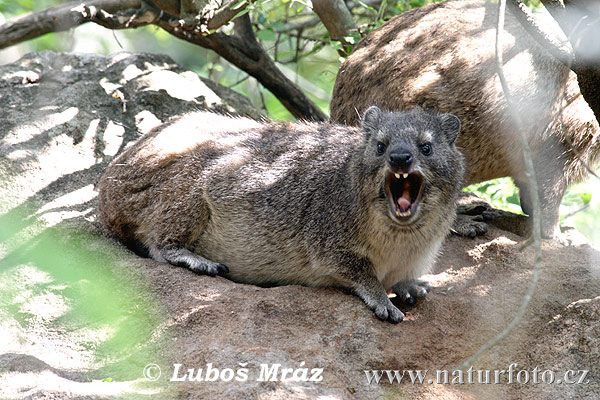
(473, 376)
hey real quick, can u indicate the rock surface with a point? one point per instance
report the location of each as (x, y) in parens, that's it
(82, 317)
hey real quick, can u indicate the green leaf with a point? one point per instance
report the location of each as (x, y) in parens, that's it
(239, 4)
(242, 12)
(266, 35)
(586, 197)
(261, 18)
(513, 199)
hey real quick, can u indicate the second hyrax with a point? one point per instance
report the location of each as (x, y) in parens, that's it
(281, 203)
(442, 56)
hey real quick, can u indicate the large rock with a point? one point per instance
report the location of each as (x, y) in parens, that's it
(81, 316)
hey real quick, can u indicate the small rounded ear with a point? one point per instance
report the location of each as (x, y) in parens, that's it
(450, 127)
(370, 119)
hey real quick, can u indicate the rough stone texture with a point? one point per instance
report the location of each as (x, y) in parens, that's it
(52, 153)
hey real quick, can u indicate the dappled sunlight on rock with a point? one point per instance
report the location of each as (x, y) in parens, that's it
(25, 133)
(60, 208)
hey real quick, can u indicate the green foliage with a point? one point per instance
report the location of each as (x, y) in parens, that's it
(500, 193)
(63, 281)
(577, 197)
(580, 207)
(533, 3)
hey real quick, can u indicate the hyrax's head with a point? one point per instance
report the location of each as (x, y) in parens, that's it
(412, 163)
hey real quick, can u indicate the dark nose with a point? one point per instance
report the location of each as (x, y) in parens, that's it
(401, 159)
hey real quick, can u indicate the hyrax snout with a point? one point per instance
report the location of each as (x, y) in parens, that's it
(363, 209)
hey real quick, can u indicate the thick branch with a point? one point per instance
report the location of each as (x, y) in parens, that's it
(56, 19)
(559, 47)
(336, 17)
(224, 14)
(580, 20)
(172, 7)
(207, 15)
(244, 51)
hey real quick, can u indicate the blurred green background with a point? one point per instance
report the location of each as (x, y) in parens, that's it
(310, 59)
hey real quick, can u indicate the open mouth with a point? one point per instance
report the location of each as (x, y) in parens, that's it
(404, 193)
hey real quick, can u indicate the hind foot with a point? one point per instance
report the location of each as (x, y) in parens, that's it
(410, 291)
(182, 257)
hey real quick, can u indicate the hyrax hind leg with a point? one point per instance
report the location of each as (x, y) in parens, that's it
(174, 231)
(180, 256)
(552, 184)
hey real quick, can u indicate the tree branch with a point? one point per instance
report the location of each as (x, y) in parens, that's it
(336, 17)
(244, 51)
(58, 18)
(172, 7)
(580, 21)
(559, 48)
(224, 14)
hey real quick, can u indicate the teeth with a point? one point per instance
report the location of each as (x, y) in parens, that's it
(397, 175)
(403, 214)
(405, 175)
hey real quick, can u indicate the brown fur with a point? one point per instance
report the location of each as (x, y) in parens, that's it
(442, 56)
(273, 204)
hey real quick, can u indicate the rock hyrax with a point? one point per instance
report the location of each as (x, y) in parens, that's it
(442, 56)
(293, 203)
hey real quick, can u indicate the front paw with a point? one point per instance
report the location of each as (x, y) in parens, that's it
(410, 291)
(388, 312)
(380, 304)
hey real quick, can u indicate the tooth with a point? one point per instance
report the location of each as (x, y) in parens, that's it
(397, 175)
(403, 214)
(405, 175)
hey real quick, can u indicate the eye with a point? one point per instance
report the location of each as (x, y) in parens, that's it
(426, 149)
(381, 148)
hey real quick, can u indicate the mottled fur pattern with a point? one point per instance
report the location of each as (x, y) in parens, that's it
(442, 56)
(289, 203)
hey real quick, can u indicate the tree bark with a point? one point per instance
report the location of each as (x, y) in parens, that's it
(580, 20)
(56, 19)
(560, 48)
(336, 17)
